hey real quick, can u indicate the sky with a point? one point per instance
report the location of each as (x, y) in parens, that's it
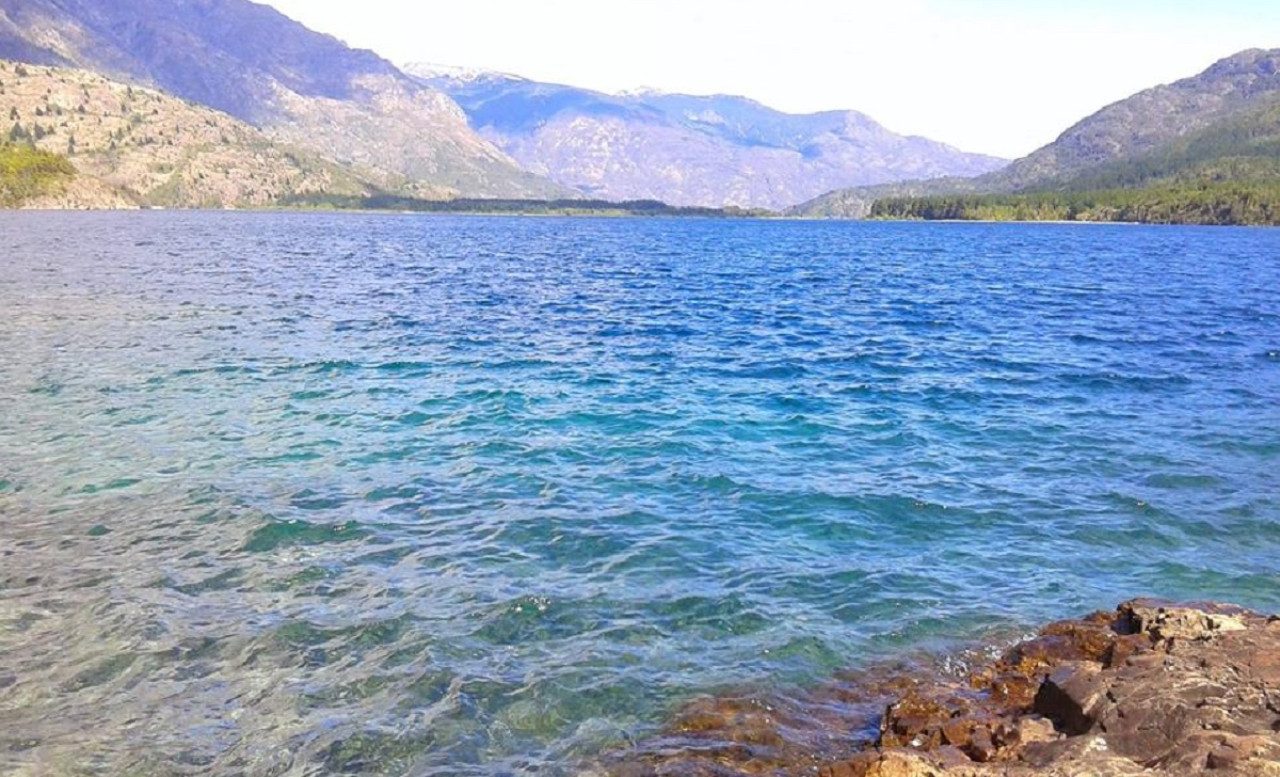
(1001, 77)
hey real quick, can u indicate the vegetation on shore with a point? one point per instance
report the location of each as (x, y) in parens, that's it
(27, 172)
(1225, 174)
(1227, 203)
(390, 202)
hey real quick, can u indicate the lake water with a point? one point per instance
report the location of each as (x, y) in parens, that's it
(378, 494)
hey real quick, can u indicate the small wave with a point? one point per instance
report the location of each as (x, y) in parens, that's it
(281, 534)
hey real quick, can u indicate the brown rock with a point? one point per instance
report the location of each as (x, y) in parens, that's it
(888, 764)
(1033, 729)
(1076, 756)
(1155, 690)
(1165, 624)
(915, 721)
(1013, 691)
(982, 746)
(1126, 646)
(1071, 697)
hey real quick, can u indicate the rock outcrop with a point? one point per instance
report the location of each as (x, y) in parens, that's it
(1151, 689)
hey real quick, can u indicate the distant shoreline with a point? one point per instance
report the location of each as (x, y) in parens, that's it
(449, 208)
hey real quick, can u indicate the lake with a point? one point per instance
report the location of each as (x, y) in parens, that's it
(390, 494)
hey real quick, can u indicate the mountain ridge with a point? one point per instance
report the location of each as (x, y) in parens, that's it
(1150, 122)
(259, 66)
(709, 150)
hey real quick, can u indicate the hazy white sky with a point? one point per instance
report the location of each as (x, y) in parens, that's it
(997, 76)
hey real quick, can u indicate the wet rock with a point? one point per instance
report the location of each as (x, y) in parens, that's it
(915, 721)
(1152, 689)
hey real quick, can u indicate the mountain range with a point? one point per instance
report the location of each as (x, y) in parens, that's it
(218, 103)
(298, 86)
(510, 138)
(1220, 126)
(687, 150)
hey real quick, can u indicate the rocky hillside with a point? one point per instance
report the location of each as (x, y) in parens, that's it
(1187, 120)
(133, 146)
(253, 63)
(685, 150)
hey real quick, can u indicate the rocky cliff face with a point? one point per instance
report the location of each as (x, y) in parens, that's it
(1151, 689)
(712, 151)
(255, 64)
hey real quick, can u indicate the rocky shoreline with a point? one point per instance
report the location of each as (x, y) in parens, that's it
(1150, 689)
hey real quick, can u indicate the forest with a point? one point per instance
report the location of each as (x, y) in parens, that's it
(1213, 203)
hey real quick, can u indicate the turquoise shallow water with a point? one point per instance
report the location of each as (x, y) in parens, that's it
(306, 494)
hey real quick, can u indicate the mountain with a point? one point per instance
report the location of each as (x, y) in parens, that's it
(1225, 173)
(686, 150)
(1241, 147)
(1150, 120)
(131, 146)
(1196, 129)
(259, 66)
(857, 202)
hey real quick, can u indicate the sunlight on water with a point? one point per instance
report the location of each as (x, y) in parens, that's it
(298, 494)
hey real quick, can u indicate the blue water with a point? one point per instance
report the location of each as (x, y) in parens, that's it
(308, 494)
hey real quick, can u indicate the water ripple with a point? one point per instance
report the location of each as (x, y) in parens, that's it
(286, 494)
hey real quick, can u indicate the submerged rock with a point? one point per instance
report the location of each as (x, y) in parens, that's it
(1151, 689)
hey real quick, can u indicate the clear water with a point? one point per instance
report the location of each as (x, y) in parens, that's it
(306, 494)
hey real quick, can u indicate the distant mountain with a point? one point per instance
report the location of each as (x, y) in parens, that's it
(856, 202)
(1218, 126)
(131, 146)
(253, 63)
(1150, 120)
(685, 150)
(1225, 173)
